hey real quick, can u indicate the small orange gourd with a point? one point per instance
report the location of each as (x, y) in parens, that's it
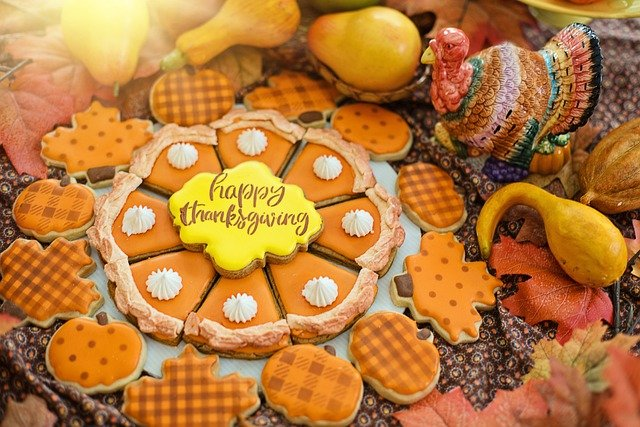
(548, 164)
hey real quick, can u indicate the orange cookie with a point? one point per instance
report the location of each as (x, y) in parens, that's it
(189, 98)
(429, 198)
(48, 284)
(399, 361)
(383, 133)
(298, 97)
(310, 386)
(96, 355)
(51, 208)
(441, 288)
(97, 145)
(191, 394)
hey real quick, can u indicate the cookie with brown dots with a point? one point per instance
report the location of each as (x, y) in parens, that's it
(383, 133)
(441, 288)
(96, 355)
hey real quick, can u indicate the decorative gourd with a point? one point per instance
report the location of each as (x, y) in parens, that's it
(549, 164)
(588, 247)
(267, 23)
(106, 36)
(610, 177)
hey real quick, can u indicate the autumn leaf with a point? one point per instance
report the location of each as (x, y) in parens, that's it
(585, 351)
(18, 16)
(532, 229)
(31, 412)
(622, 406)
(241, 64)
(580, 142)
(549, 294)
(451, 409)
(633, 246)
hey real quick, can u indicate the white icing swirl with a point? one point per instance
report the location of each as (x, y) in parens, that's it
(138, 220)
(320, 291)
(252, 142)
(327, 167)
(164, 284)
(182, 155)
(240, 308)
(357, 223)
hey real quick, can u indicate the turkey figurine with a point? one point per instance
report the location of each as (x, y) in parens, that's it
(511, 102)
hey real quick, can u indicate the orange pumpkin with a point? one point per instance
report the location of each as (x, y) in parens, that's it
(549, 164)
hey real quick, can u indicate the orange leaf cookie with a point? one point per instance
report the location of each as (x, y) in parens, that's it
(441, 288)
(97, 145)
(394, 357)
(429, 198)
(190, 393)
(310, 386)
(383, 133)
(48, 284)
(51, 208)
(190, 98)
(96, 355)
(297, 96)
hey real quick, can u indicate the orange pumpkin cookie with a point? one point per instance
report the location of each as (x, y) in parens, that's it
(189, 98)
(429, 198)
(47, 284)
(190, 393)
(297, 96)
(52, 208)
(441, 288)
(96, 355)
(310, 386)
(399, 361)
(97, 145)
(383, 133)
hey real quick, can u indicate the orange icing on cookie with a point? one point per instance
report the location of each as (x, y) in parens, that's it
(97, 138)
(165, 176)
(335, 238)
(375, 128)
(162, 236)
(274, 156)
(45, 206)
(87, 353)
(289, 280)
(195, 270)
(314, 188)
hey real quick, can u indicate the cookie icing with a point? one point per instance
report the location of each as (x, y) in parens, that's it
(357, 223)
(164, 284)
(252, 142)
(137, 220)
(327, 167)
(320, 291)
(240, 308)
(182, 155)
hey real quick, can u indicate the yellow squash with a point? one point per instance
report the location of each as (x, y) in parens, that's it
(588, 247)
(106, 36)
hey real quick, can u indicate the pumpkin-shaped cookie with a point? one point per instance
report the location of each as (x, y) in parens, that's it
(96, 355)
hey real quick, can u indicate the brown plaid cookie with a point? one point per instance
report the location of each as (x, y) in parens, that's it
(191, 394)
(397, 360)
(188, 98)
(48, 284)
(50, 208)
(309, 385)
(429, 198)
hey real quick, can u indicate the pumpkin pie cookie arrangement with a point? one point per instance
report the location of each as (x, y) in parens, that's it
(223, 263)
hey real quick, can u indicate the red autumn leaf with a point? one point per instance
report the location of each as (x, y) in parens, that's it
(622, 406)
(549, 294)
(31, 412)
(447, 410)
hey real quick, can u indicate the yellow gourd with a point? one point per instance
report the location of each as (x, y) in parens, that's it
(588, 247)
(106, 36)
(265, 23)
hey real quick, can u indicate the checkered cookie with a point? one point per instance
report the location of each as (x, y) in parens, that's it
(429, 198)
(190, 394)
(47, 284)
(309, 385)
(399, 362)
(188, 98)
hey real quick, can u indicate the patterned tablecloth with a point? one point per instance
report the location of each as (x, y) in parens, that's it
(498, 360)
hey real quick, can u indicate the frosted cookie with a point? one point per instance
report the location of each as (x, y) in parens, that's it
(190, 393)
(97, 145)
(96, 355)
(310, 386)
(429, 198)
(383, 133)
(297, 96)
(49, 284)
(441, 288)
(51, 208)
(399, 361)
(188, 97)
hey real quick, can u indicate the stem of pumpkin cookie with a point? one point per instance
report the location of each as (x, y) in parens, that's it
(15, 68)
